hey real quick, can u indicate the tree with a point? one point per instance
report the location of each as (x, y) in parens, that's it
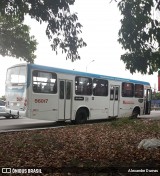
(15, 40)
(139, 35)
(62, 29)
(3, 98)
(156, 96)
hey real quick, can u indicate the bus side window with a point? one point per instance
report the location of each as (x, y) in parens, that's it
(55, 87)
(83, 85)
(111, 93)
(35, 87)
(44, 82)
(61, 94)
(100, 87)
(68, 93)
(139, 90)
(116, 93)
(127, 89)
(39, 88)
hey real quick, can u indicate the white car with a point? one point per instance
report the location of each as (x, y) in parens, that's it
(2, 110)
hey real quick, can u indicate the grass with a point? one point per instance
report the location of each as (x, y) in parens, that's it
(136, 124)
(123, 121)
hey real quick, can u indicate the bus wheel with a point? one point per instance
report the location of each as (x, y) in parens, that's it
(7, 117)
(81, 116)
(15, 116)
(135, 114)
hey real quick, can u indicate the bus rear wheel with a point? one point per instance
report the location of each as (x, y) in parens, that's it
(135, 114)
(7, 117)
(81, 116)
(15, 116)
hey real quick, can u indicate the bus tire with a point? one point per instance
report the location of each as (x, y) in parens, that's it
(81, 116)
(15, 116)
(7, 117)
(135, 114)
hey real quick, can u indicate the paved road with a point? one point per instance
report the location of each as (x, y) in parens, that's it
(25, 123)
(155, 115)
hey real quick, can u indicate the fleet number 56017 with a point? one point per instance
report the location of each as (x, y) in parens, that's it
(41, 100)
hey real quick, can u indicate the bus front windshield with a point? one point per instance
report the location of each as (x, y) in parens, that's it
(16, 76)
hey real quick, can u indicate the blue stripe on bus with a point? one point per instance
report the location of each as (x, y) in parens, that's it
(78, 73)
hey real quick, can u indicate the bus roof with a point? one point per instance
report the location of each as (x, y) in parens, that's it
(79, 73)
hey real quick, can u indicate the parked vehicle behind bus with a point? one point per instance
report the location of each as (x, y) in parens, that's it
(2, 110)
(48, 93)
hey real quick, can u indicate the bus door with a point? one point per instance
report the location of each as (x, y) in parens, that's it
(148, 101)
(114, 100)
(65, 99)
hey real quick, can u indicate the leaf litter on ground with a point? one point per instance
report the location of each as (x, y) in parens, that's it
(111, 143)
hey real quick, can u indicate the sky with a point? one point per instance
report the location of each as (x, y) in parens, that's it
(101, 23)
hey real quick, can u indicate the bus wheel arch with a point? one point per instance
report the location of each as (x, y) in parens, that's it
(135, 112)
(82, 115)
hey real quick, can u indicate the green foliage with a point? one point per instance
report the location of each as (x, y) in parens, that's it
(62, 29)
(123, 121)
(15, 40)
(135, 124)
(156, 96)
(139, 35)
(3, 98)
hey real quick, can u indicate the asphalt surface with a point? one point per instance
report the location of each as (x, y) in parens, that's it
(26, 123)
(155, 115)
(23, 123)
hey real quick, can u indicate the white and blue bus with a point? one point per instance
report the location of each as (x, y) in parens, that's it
(54, 94)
